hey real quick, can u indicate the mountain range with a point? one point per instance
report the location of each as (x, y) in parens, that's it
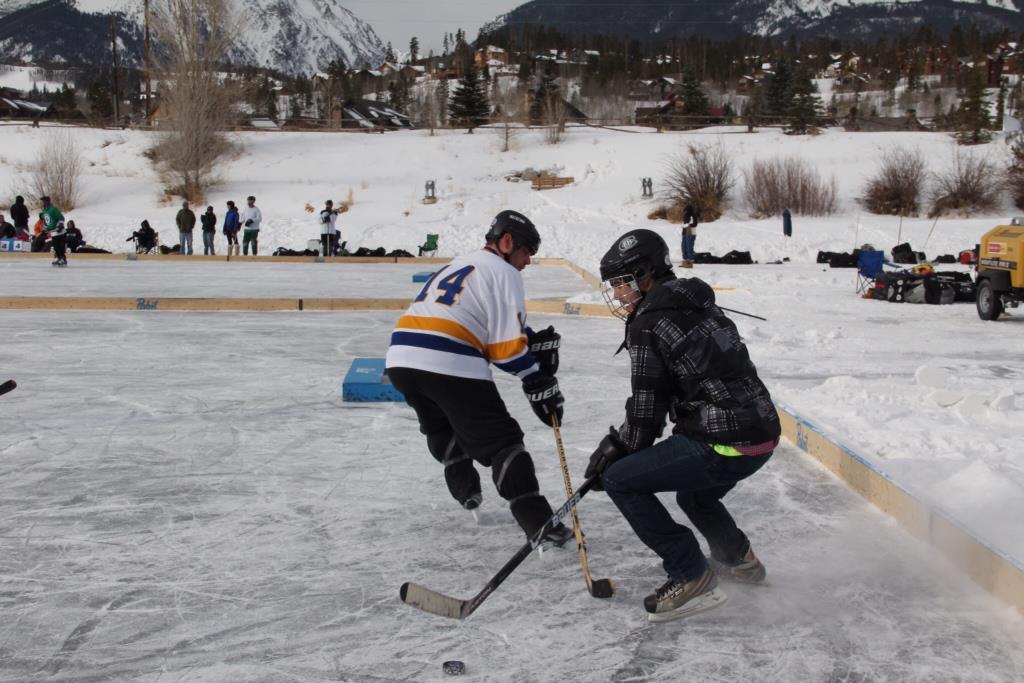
(725, 19)
(292, 36)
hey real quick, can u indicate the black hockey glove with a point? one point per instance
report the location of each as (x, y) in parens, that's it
(544, 396)
(608, 451)
(248, 223)
(544, 346)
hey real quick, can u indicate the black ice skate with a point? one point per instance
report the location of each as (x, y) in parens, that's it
(473, 505)
(747, 570)
(556, 537)
(679, 599)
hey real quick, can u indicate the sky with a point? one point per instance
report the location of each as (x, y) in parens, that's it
(399, 20)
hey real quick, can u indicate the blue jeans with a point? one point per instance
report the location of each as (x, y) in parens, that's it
(186, 239)
(208, 243)
(688, 242)
(700, 478)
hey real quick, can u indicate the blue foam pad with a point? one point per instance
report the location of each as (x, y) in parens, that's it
(422, 277)
(366, 381)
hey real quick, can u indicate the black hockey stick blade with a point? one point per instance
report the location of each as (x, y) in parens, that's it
(7, 386)
(420, 597)
(431, 601)
(602, 588)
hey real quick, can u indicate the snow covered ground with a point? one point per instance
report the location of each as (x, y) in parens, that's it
(220, 438)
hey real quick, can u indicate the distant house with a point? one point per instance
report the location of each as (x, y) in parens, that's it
(569, 113)
(491, 56)
(13, 107)
(370, 114)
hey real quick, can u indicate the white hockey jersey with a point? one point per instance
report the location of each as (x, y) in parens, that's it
(470, 314)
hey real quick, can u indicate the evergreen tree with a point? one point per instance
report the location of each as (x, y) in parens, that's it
(64, 99)
(695, 102)
(99, 97)
(805, 107)
(469, 106)
(414, 49)
(389, 54)
(272, 104)
(545, 96)
(778, 95)
(399, 95)
(972, 119)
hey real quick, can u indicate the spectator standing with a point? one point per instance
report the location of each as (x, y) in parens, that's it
(328, 228)
(74, 238)
(209, 220)
(231, 226)
(251, 218)
(53, 223)
(690, 215)
(787, 223)
(19, 213)
(7, 231)
(186, 221)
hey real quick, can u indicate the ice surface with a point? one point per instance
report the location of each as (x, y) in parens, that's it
(185, 497)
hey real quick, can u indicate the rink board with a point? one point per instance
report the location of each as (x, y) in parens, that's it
(986, 566)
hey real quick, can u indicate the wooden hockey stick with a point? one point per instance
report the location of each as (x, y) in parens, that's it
(601, 588)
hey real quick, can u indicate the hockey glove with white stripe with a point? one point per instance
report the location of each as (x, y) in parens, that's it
(544, 396)
(544, 346)
(608, 451)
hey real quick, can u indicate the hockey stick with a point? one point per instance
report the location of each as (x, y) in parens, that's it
(7, 386)
(442, 605)
(602, 588)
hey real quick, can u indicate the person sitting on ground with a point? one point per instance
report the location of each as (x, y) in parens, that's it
(145, 238)
(7, 230)
(74, 237)
(40, 241)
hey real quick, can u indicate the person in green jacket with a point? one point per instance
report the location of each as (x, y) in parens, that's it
(53, 222)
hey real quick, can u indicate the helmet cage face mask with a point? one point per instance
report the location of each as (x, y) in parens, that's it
(622, 294)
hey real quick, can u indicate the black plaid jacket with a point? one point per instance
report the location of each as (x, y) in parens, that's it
(688, 362)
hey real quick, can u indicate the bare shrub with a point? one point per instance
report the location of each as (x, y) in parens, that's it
(58, 169)
(555, 116)
(194, 37)
(702, 177)
(898, 184)
(970, 185)
(792, 183)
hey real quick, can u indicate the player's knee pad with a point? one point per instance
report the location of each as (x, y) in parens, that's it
(445, 448)
(512, 471)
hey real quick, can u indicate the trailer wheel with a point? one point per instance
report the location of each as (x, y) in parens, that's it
(990, 306)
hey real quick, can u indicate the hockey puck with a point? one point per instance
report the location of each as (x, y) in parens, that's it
(453, 667)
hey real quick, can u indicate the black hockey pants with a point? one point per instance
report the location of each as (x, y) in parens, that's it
(466, 420)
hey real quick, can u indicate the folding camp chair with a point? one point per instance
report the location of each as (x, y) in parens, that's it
(429, 248)
(869, 267)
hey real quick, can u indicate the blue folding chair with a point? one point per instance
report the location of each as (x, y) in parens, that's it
(870, 265)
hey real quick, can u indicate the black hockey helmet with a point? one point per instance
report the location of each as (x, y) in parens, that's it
(640, 253)
(524, 232)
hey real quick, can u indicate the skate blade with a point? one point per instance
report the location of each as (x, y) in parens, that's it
(476, 515)
(709, 601)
